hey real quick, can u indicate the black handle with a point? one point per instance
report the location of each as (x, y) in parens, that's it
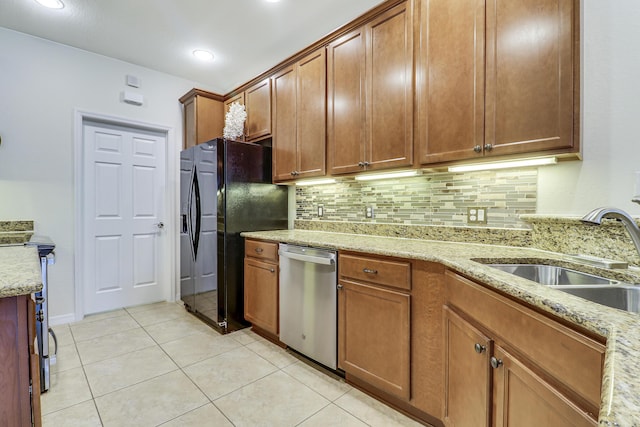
(195, 193)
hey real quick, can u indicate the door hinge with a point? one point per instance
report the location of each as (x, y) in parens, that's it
(223, 324)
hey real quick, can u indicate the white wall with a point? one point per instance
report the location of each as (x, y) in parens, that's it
(610, 116)
(41, 83)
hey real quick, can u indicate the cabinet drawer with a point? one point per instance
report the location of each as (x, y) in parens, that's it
(261, 250)
(572, 359)
(381, 271)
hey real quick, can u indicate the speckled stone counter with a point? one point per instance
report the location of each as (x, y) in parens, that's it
(19, 271)
(12, 232)
(620, 405)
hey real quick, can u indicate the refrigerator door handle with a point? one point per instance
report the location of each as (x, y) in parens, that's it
(195, 238)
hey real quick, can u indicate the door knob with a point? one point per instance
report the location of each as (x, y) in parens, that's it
(160, 225)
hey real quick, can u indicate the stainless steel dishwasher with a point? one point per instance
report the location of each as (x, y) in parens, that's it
(308, 302)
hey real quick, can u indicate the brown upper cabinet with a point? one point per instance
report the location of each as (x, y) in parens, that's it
(203, 117)
(239, 98)
(370, 94)
(496, 78)
(299, 119)
(257, 100)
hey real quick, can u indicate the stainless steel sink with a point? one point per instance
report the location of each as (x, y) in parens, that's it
(552, 275)
(621, 297)
(598, 289)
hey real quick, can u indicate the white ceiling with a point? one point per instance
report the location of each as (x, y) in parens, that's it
(247, 37)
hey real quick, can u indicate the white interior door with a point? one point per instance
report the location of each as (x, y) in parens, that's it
(124, 170)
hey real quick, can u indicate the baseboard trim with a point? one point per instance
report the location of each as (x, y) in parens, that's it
(62, 319)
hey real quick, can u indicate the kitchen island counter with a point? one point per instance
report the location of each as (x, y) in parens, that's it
(20, 272)
(620, 397)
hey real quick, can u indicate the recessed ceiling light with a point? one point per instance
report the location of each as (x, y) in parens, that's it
(203, 55)
(51, 4)
(272, 1)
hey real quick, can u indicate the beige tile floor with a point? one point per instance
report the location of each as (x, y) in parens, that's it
(158, 365)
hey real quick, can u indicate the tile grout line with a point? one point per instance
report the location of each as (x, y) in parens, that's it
(86, 378)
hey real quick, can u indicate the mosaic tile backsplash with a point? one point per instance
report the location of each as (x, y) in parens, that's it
(431, 199)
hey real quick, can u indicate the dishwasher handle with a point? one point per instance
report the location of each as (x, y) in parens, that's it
(307, 258)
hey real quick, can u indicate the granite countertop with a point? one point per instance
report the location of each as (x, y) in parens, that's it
(620, 404)
(20, 272)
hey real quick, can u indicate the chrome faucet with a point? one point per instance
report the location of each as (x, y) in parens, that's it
(596, 216)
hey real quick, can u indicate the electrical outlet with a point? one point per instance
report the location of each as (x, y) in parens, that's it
(368, 212)
(477, 215)
(320, 211)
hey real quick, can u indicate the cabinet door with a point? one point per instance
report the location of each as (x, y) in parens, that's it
(258, 104)
(523, 399)
(208, 118)
(15, 405)
(346, 103)
(190, 124)
(239, 98)
(389, 65)
(373, 336)
(261, 294)
(467, 373)
(450, 80)
(284, 124)
(311, 113)
(530, 54)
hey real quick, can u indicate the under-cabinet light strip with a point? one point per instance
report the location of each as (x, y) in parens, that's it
(540, 161)
(316, 181)
(387, 175)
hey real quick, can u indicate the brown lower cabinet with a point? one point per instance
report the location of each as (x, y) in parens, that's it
(507, 365)
(19, 369)
(261, 285)
(374, 322)
(444, 349)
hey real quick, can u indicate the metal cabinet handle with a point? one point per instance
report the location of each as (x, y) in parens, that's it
(479, 348)
(495, 363)
(488, 147)
(369, 271)
(361, 164)
(160, 225)
(477, 148)
(367, 163)
(339, 286)
(259, 250)
(269, 269)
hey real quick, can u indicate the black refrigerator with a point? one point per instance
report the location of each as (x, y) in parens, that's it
(225, 189)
